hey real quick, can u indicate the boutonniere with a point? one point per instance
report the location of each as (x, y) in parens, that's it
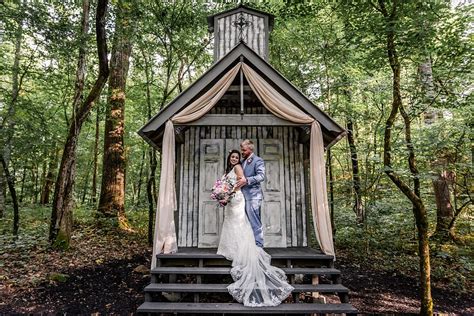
(249, 161)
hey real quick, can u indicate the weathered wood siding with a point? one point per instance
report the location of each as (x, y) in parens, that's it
(227, 35)
(193, 192)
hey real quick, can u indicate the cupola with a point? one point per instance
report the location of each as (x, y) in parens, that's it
(241, 24)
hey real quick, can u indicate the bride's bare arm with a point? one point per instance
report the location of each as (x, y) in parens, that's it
(240, 174)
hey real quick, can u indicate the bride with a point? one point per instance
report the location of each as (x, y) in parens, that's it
(257, 283)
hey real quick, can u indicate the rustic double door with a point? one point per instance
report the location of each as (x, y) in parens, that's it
(213, 153)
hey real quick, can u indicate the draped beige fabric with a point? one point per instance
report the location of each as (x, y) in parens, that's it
(164, 237)
(205, 103)
(283, 108)
(165, 234)
(319, 196)
(164, 240)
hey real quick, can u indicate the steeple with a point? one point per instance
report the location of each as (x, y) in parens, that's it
(244, 24)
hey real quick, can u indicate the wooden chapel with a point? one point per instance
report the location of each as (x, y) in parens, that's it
(241, 35)
(202, 145)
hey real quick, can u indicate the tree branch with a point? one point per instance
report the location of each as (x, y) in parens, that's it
(411, 150)
(375, 7)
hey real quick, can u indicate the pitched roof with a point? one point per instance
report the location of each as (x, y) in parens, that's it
(332, 131)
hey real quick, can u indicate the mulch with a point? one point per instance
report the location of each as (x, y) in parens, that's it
(109, 288)
(383, 292)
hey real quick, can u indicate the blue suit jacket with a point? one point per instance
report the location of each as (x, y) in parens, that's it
(255, 174)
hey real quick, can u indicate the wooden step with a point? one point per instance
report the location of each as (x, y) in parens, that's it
(222, 288)
(275, 253)
(236, 308)
(226, 270)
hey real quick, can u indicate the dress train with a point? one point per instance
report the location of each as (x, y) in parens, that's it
(256, 282)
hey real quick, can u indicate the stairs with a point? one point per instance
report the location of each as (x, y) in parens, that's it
(194, 281)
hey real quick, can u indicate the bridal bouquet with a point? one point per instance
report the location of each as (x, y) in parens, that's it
(222, 191)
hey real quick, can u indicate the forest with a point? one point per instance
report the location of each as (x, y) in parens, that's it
(78, 185)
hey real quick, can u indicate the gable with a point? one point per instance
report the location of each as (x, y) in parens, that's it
(152, 130)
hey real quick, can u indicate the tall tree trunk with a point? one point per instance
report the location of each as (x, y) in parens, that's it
(53, 161)
(466, 190)
(36, 186)
(112, 193)
(61, 214)
(22, 186)
(150, 183)
(151, 195)
(85, 187)
(140, 178)
(44, 173)
(358, 206)
(2, 193)
(8, 125)
(444, 208)
(96, 158)
(419, 210)
(428, 89)
(11, 187)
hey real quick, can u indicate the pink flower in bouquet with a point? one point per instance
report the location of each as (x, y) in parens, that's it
(222, 191)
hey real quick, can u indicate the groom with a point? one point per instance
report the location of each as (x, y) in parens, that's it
(254, 171)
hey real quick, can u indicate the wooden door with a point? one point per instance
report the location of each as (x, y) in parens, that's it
(231, 144)
(273, 207)
(213, 153)
(211, 216)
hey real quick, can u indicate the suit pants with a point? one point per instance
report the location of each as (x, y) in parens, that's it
(252, 208)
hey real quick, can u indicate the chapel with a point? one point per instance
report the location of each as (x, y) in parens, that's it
(241, 96)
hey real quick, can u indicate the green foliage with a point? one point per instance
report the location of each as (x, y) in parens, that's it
(58, 277)
(61, 242)
(34, 227)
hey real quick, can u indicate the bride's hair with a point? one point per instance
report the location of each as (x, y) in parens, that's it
(228, 164)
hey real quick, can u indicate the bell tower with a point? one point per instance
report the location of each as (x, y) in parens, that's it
(241, 24)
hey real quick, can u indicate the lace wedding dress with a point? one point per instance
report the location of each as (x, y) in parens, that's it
(257, 283)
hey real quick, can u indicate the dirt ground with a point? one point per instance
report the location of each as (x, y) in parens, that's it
(98, 277)
(392, 293)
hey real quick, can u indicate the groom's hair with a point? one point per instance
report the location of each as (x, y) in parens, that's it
(248, 143)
